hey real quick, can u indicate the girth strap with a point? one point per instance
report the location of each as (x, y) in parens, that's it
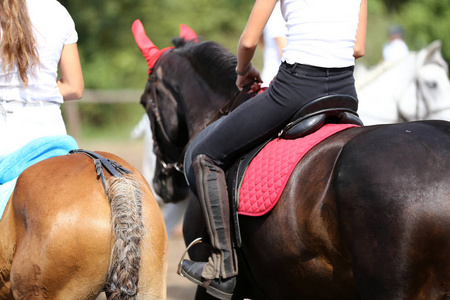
(101, 162)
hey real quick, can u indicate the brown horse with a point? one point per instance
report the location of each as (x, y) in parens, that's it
(64, 237)
(364, 215)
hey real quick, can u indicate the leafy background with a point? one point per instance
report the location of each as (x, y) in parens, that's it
(111, 59)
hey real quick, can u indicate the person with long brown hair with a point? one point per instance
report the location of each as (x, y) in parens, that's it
(37, 38)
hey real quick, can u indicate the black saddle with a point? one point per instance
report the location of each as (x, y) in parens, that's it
(331, 109)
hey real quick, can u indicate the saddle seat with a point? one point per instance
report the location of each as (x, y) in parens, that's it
(330, 109)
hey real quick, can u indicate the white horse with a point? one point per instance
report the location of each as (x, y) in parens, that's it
(415, 87)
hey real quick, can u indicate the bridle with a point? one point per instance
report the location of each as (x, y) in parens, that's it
(156, 123)
(166, 167)
(421, 97)
(178, 166)
(153, 55)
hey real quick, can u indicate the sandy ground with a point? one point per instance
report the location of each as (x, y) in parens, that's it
(178, 288)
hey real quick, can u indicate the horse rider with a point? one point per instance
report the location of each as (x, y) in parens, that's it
(323, 39)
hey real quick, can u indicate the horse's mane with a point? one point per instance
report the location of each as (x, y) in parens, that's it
(211, 60)
(378, 70)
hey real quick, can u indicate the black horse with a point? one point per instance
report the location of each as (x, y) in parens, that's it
(364, 215)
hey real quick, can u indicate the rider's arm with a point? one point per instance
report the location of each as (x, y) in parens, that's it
(71, 83)
(249, 40)
(360, 44)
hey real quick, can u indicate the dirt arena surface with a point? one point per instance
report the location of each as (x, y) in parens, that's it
(178, 288)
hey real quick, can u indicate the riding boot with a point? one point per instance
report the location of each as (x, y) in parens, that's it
(218, 275)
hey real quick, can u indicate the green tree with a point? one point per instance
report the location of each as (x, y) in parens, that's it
(111, 59)
(108, 52)
(394, 5)
(425, 21)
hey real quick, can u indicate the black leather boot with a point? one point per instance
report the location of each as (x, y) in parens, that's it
(218, 275)
(219, 288)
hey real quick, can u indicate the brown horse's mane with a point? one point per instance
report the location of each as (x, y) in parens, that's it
(212, 61)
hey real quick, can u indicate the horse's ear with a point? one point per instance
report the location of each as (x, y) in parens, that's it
(432, 54)
(187, 33)
(146, 46)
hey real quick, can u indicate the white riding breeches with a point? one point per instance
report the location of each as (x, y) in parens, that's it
(22, 122)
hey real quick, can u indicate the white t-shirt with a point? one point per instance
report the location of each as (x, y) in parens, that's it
(394, 50)
(53, 27)
(275, 28)
(320, 33)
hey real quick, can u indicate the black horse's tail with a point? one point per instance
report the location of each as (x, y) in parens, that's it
(125, 196)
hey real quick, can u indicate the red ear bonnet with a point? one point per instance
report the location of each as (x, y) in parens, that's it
(187, 33)
(149, 50)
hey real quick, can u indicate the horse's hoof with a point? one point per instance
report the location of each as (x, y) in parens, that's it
(219, 288)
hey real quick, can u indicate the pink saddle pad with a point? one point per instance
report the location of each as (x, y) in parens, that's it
(270, 170)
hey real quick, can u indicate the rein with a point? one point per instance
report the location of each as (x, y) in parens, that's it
(157, 123)
(234, 102)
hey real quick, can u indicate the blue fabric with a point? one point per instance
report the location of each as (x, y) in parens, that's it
(6, 191)
(12, 165)
(35, 151)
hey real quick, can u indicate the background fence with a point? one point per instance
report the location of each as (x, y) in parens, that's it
(71, 109)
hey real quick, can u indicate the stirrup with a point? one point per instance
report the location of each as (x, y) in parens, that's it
(196, 241)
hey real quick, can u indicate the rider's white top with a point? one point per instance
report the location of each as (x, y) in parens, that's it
(309, 38)
(54, 28)
(34, 112)
(275, 28)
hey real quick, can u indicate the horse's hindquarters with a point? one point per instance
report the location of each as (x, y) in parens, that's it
(296, 252)
(64, 234)
(370, 222)
(393, 202)
(63, 231)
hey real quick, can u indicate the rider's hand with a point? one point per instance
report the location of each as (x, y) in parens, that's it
(252, 77)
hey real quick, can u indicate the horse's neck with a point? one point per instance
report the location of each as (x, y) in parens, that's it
(402, 71)
(380, 90)
(202, 106)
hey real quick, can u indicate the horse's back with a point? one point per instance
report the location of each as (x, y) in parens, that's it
(393, 198)
(61, 216)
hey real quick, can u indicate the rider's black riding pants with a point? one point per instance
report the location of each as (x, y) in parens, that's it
(264, 115)
(247, 126)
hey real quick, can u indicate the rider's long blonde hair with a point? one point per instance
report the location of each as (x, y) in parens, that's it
(17, 43)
